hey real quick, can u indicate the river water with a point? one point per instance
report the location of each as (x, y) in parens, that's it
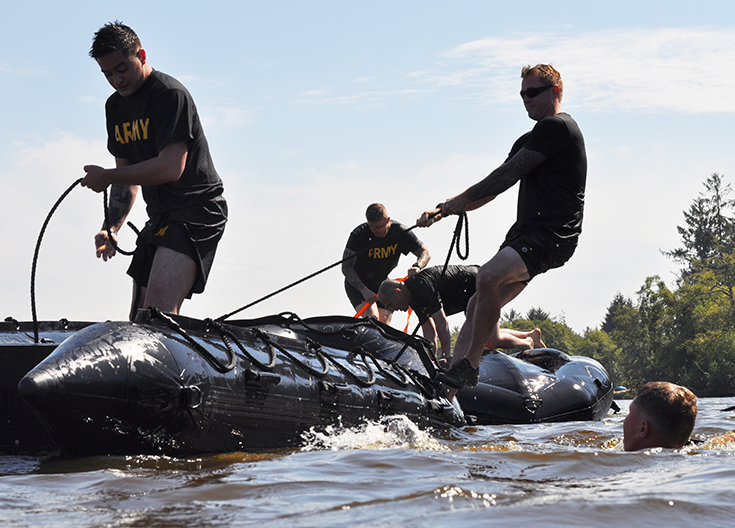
(392, 474)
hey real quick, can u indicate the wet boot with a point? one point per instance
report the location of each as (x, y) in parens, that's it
(460, 374)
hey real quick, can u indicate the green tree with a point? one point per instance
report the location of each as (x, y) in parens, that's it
(619, 302)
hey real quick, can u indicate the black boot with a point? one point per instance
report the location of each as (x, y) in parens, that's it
(460, 374)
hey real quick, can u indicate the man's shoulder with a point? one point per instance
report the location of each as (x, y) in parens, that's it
(164, 83)
(397, 227)
(558, 121)
(360, 229)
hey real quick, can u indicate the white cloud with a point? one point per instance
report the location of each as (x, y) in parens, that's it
(227, 117)
(650, 70)
(654, 70)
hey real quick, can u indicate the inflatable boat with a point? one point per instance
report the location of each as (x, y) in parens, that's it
(542, 385)
(183, 387)
(172, 385)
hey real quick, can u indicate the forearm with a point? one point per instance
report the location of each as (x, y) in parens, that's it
(154, 171)
(505, 176)
(445, 338)
(442, 329)
(422, 257)
(497, 182)
(430, 333)
(168, 166)
(122, 198)
(348, 270)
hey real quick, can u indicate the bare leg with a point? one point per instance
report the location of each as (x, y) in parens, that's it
(498, 282)
(381, 314)
(171, 279)
(370, 311)
(509, 338)
(137, 301)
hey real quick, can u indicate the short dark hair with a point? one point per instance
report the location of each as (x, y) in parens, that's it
(114, 36)
(376, 212)
(673, 409)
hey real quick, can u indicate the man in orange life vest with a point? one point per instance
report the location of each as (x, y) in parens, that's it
(376, 247)
(158, 143)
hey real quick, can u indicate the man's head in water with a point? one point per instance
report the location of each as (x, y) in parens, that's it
(661, 415)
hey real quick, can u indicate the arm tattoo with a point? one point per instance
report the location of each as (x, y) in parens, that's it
(422, 256)
(121, 201)
(505, 176)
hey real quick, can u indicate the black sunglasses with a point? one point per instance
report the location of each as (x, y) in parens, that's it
(533, 92)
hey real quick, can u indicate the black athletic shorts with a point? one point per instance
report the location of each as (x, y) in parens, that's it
(542, 250)
(197, 241)
(356, 297)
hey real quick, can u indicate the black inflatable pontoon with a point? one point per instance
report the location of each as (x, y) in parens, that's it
(182, 387)
(178, 386)
(542, 385)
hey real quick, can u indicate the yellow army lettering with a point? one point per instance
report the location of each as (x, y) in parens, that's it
(381, 253)
(162, 232)
(134, 131)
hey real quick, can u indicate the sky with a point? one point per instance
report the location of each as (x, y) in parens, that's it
(313, 110)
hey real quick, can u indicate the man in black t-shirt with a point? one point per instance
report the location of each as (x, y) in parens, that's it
(434, 296)
(376, 246)
(157, 140)
(551, 164)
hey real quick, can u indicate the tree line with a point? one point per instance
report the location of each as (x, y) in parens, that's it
(684, 334)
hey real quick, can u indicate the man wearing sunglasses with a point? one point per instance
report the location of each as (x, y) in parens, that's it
(551, 164)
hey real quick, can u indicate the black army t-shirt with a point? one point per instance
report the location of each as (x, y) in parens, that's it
(160, 113)
(552, 195)
(374, 265)
(430, 291)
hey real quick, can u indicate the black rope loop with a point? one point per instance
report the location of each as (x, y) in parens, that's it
(346, 371)
(211, 359)
(40, 238)
(357, 322)
(308, 368)
(227, 337)
(463, 221)
(404, 379)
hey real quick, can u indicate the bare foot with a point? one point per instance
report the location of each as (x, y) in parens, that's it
(536, 337)
(526, 344)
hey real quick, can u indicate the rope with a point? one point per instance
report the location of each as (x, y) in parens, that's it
(462, 221)
(34, 314)
(35, 256)
(296, 283)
